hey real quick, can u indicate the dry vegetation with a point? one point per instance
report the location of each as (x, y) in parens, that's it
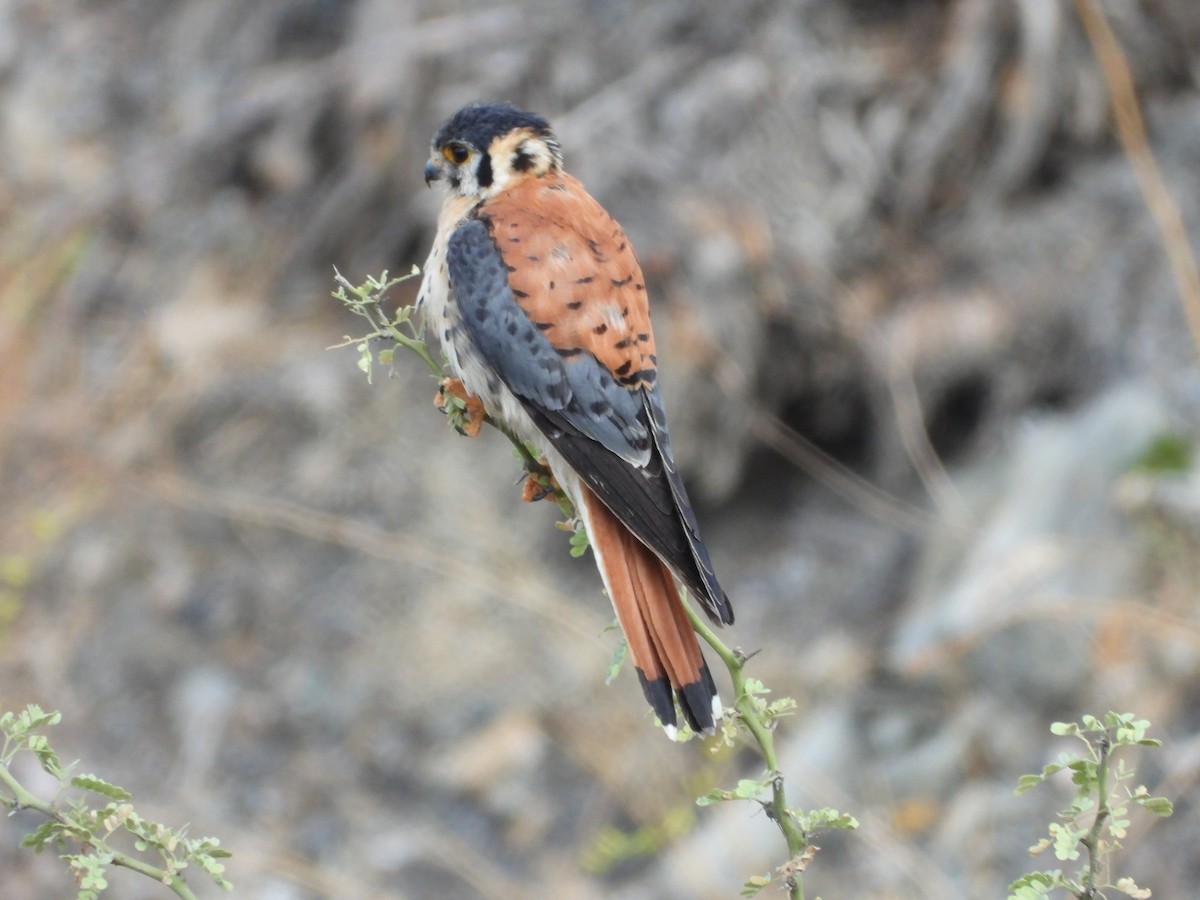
(920, 316)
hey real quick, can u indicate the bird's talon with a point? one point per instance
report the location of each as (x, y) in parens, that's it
(539, 485)
(464, 408)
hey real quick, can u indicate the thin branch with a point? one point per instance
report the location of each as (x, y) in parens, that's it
(910, 422)
(837, 477)
(1131, 131)
(777, 809)
(1103, 749)
(23, 799)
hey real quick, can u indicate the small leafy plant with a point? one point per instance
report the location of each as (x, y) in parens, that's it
(755, 716)
(1096, 822)
(89, 833)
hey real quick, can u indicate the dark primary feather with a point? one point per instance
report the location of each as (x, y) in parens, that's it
(713, 597)
(643, 499)
(601, 445)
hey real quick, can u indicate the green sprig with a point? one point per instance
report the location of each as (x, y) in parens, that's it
(73, 823)
(1096, 820)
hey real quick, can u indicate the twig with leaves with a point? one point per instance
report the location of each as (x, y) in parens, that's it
(1095, 822)
(72, 823)
(752, 713)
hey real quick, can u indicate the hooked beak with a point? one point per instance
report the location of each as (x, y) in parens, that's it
(432, 173)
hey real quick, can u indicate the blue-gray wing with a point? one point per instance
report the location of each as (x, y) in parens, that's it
(569, 384)
(613, 436)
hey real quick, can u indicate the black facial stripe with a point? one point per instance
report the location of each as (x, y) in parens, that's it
(484, 175)
(522, 161)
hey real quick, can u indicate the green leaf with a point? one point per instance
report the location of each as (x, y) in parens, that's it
(1063, 728)
(1128, 887)
(579, 540)
(1131, 731)
(824, 819)
(365, 358)
(1028, 782)
(89, 871)
(35, 717)
(1035, 884)
(98, 785)
(618, 658)
(1066, 841)
(48, 759)
(754, 687)
(756, 883)
(1168, 453)
(746, 789)
(46, 833)
(784, 706)
(1159, 806)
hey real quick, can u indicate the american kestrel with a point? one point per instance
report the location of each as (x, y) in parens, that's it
(540, 307)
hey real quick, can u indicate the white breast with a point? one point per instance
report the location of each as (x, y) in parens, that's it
(441, 316)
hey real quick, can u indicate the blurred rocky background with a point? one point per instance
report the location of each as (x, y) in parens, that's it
(929, 374)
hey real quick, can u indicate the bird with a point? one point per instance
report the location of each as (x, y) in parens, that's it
(540, 307)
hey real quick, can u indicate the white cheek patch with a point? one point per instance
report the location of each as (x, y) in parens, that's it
(468, 184)
(538, 152)
(500, 180)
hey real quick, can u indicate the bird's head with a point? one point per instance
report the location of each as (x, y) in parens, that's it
(482, 148)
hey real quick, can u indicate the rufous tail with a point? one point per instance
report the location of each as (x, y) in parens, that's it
(662, 643)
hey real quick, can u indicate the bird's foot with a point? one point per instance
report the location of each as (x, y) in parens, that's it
(464, 409)
(539, 483)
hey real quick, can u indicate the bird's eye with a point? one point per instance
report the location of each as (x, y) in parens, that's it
(456, 153)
